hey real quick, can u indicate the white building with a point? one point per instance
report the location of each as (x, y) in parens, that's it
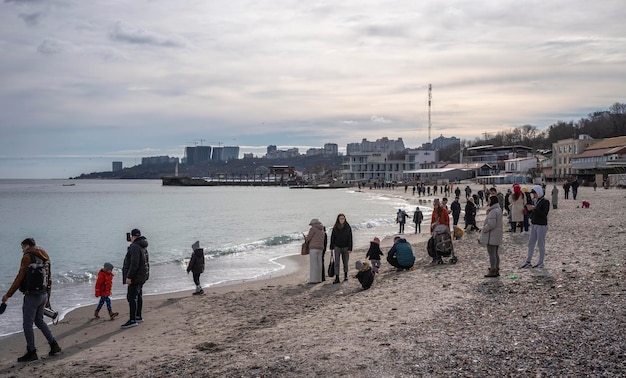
(520, 165)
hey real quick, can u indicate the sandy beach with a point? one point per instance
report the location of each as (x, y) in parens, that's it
(566, 319)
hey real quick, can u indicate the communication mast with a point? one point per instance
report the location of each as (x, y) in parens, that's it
(430, 97)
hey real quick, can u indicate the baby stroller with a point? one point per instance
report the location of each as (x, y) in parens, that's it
(440, 246)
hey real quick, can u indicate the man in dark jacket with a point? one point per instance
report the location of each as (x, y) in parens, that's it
(455, 207)
(35, 299)
(135, 272)
(401, 255)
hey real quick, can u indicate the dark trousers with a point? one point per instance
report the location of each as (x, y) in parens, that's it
(394, 262)
(134, 296)
(196, 278)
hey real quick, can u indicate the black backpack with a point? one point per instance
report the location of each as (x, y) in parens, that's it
(36, 278)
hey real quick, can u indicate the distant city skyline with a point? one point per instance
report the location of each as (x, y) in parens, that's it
(124, 80)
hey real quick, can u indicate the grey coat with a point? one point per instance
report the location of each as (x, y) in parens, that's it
(492, 231)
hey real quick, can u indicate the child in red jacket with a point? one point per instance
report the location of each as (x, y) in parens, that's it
(103, 289)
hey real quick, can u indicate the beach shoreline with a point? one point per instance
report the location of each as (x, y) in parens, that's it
(565, 319)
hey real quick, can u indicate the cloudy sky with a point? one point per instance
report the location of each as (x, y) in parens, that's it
(124, 79)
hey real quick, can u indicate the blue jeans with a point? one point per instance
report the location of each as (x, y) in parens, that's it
(32, 312)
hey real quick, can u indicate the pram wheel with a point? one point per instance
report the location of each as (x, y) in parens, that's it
(453, 260)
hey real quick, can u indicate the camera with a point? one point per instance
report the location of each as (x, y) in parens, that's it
(128, 236)
(50, 313)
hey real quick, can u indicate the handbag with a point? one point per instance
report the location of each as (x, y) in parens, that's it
(331, 269)
(305, 248)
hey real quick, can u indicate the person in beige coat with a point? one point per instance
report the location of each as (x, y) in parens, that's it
(315, 238)
(491, 235)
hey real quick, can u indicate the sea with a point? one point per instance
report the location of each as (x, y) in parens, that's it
(244, 232)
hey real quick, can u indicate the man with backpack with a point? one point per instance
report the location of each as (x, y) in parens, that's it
(34, 280)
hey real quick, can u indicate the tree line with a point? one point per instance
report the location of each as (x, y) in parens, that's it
(598, 125)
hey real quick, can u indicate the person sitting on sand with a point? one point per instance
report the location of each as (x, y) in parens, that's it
(365, 274)
(401, 255)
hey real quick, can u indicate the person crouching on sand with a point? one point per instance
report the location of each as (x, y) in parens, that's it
(365, 274)
(196, 266)
(104, 284)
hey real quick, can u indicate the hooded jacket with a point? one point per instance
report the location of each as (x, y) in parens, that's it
(196, 262)
(21, 274)
(104, 283)
(539, 215)
(315, 237)
(136, 263)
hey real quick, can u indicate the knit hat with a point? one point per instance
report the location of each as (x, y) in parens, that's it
(517, 189)
(314, 221)
(108, 267)
(436, 202)
(359, 265)
(195, 245)
(376, 240)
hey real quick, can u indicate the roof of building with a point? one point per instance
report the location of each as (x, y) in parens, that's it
(468, 165)
(608, 143)
(522, 159)
(592, 153)
(432, 170)
(490, 147)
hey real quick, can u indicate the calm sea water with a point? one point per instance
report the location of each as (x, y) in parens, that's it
(244, 230)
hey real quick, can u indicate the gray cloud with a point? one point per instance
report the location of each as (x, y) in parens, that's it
(51, 47)
(31, 19)
(124, 32)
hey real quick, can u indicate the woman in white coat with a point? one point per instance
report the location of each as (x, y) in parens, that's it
(491, 235)
(316, 246)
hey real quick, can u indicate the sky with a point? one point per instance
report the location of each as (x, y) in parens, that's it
(97, 81)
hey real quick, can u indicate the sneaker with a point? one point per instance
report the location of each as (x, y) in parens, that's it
(138, 319)
(130, 324)
(526, 265)
(54, 349)
(538, 266)
(201, 292)
(29, 356)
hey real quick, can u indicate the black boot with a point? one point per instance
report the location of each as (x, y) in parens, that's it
(336, 281)
(54, 348)
(345, 276)
(31, 355)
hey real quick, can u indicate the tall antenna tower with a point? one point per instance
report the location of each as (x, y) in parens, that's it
(430, 97)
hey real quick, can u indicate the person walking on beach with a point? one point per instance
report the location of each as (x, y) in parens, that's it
(539, 218)
(574, 186)
(401, 255)
(418, 217)
(341, 245)
(470, 215)
(555, 197)
(196, 266)
(401, 219)
(455, 208)
(315, 238)
(104, 285)
(373, 254)
(135, 273)
(566, 187)
(36, 288)
(491, 235)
